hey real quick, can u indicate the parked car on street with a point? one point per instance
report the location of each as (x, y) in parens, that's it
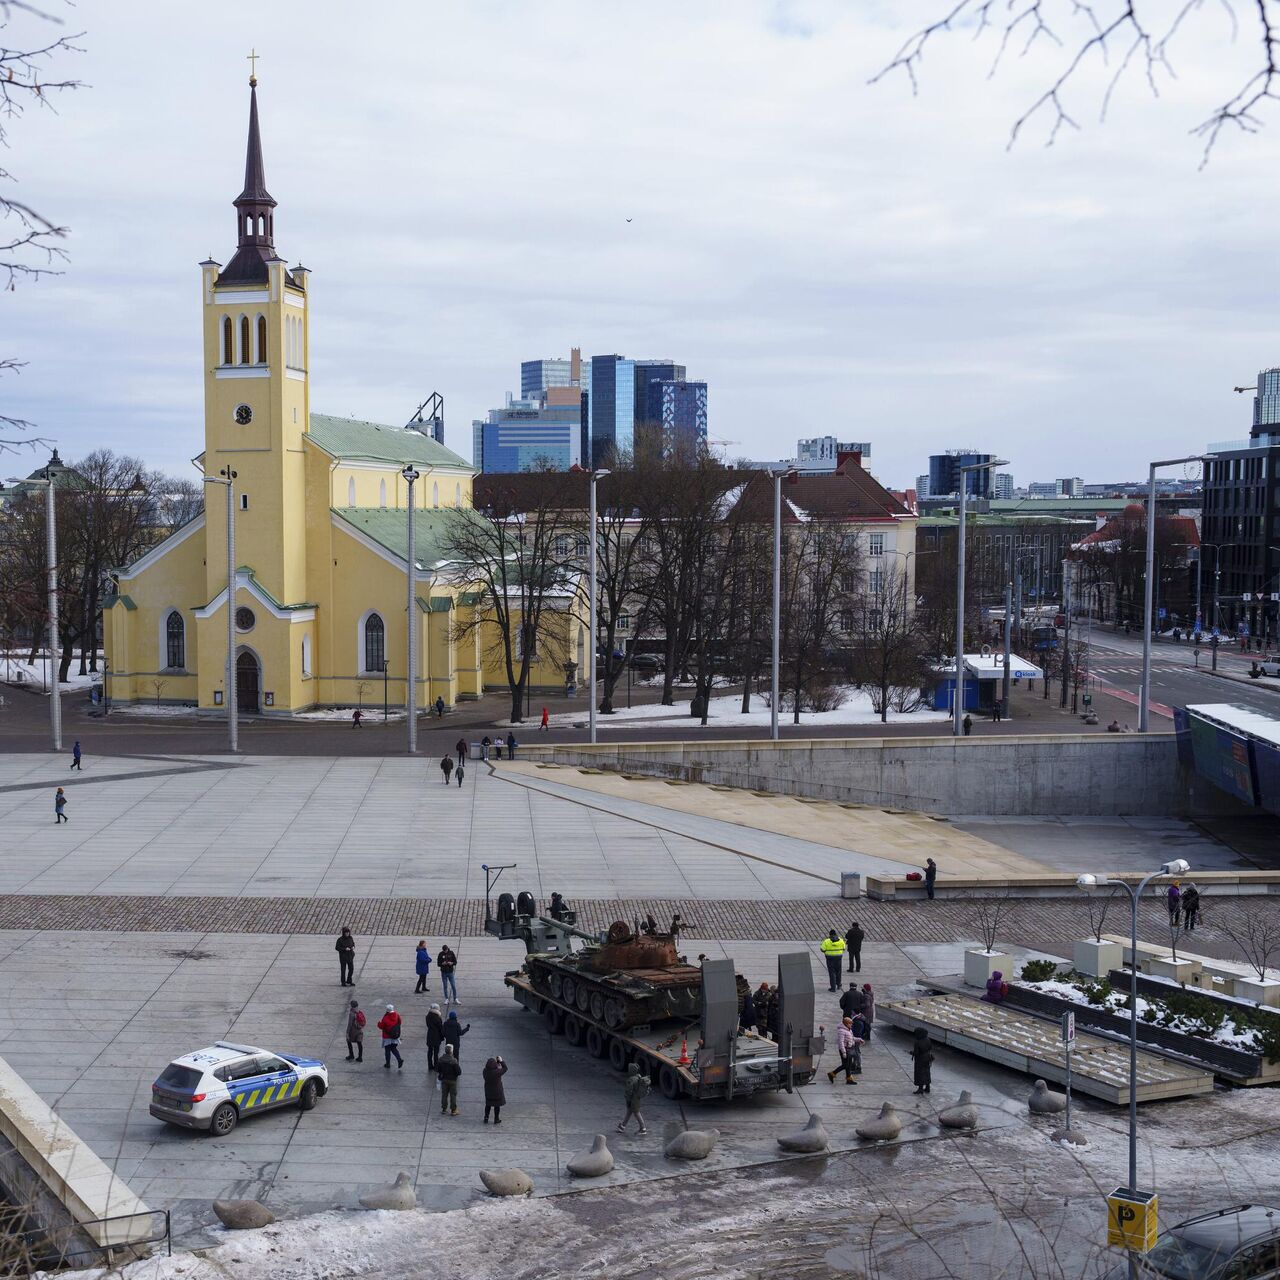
(1240, 1243)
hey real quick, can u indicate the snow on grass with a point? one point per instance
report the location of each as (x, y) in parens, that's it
(725, 712)
(163, 711)
(371, 714)
(15, 669)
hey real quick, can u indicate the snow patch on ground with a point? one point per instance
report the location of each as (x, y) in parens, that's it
(15, 669)
(372, 715)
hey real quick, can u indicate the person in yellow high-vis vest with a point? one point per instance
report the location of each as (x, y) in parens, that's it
(833, 950)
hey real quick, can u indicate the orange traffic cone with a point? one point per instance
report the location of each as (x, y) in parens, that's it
(684, 1060)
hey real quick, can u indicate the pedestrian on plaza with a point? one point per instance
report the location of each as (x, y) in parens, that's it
(75, 756)
(1174, 903)
(439, 707)
(967, 724)
(435, 1036)
(485, 743)
(495, 1096)
(846, 1047)
(853, 941)
(546, 721)
(346, 949)
(852, 1001)
(868, 1008)
(422, 966)
(356, 716)
(59, 806)
(461, 748)
(390, 1025)
(1191, 906)
(833, 950)
(447, 962)
(355, 1032)
(448, 1069)
(453, 1033)
(461, 773)
(446, 767)
(511, 745)
(635, 1089)
(930, 876)
(762, 1008)
(922, 1061)
(747, 1018)
(995, 711)
(997, 988)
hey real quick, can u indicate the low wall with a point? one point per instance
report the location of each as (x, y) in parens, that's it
(1094, 774)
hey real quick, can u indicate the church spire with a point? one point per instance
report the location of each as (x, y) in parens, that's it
(255, 216)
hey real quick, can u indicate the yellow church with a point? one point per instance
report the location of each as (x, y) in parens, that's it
(320, 524)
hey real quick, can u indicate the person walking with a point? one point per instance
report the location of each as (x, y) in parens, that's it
(439, 707)
(1191, 906)
(356, 716)
(922, 1060)
(511, 745)
(635, 1089)
(346, 949)
(747, 1018)
(485, 743)
(447, 962)
(930, 877)
(461, 748)
(995, 712)
(435, 1036)
(546, 721)
(833, 950)
(448, 1069)
(852, 1001)
(390, 1025)
(846, 1047)
(967, 724)
(460, 773)
(853, 942)
(1174, 903)
(495, 1096)
(355, 1032)
(59, 806)
(761, 1001)
(453, 1033)
(75, 756)
(446, 767)
(422, 966)
(868, 1008)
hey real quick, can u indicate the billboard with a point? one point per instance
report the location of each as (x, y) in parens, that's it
(1223, 757)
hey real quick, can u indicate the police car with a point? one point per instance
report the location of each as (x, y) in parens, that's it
(212, 1088)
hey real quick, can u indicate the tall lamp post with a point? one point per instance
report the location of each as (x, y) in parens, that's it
(1178, 867)
(591, 609)
(51, 573)
(227, 478)
(957, 710)
(775, 660)
(410, 475)
(1149, 586)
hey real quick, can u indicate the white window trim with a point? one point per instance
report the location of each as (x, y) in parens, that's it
(386, 636)
(306, 654)
(351, 491)
(162, 654)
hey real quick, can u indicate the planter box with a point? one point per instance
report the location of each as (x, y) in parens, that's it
(851, 884)
(1263, 993)
(1180, 971)
(1096, 958)
(979, 966)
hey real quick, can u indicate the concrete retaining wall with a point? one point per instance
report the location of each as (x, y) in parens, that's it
(1102, 774)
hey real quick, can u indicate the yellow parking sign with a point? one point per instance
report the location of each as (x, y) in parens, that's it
(1131, 1219)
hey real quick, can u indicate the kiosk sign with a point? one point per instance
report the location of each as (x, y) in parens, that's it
(1131, 1219)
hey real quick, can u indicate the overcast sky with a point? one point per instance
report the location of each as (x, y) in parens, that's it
(832, 257)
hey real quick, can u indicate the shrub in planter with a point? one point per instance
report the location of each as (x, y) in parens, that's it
(1039, 970)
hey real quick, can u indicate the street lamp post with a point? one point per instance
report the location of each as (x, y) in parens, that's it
(386, 667)
(1178, 867)
(775, 654)
(227, 478)
(1148, 592)
(410, 475)
(957, 710)
(51, 555)
(591, 609)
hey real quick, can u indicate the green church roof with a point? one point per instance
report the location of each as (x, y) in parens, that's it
(388, 527)
(348, 438)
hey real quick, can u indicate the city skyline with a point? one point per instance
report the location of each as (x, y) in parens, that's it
(870, 313)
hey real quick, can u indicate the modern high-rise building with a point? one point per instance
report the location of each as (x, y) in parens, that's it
(536, 376)
(1266, 404)
(649, 377)
(612, 407)
(682, 410)
(1002, 486)
(1070, 487)
(829, 449)
(944, 473)
(922, 486)
(543, 430)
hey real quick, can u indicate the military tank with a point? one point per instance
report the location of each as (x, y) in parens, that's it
(630, 976)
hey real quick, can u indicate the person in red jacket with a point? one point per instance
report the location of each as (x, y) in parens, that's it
(389, 1024)
(545, 720)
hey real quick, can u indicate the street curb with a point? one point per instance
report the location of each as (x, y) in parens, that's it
(1261, 682)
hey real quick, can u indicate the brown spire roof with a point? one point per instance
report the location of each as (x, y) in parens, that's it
(255, 211)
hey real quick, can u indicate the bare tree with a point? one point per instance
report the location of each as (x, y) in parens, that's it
(177, 500)
(1098, 905)
(888, 656)
(159, 685)
(1126, 37)
(989, 914)
(1255, 929)
(30, 242)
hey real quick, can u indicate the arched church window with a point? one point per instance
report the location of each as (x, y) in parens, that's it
(375, 643)
(457, 495)
(382, 493)
(262, 339)
(175, 641)
(246, 341)
(228, 341)
(435, 494)
(351, 491)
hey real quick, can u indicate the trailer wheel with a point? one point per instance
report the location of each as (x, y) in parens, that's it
(574, 1030)
(597, 1043)
(553, 1018)
(618, 1055)
(668, 1081)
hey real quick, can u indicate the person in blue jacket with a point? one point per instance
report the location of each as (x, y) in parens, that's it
(422, 963)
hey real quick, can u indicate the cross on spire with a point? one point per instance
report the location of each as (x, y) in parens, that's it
(252, 59)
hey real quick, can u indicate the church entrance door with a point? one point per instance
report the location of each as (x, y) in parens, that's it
(248, 684)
